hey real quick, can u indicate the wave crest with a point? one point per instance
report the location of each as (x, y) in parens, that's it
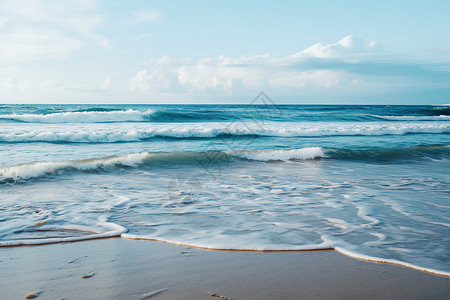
(141, 132)
(40, 169)
(273, 155)
(10, 174)
(413, 118)
(82, 117)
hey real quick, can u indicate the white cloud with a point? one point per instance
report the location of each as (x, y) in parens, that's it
(11, 83)
(147, 16)
(35, 11)
(349, 65)
(105, 44)
(7, 84)
(27, 44)
(225, 75)
(83, 23)
(36, 29)
(348, 45)
(3, 20)
(311, 78)
(228, 75)
(49, 85)
(106, 84)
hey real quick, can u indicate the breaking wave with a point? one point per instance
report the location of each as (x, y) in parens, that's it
(89, 116)
(104, 115)
(134, 133)
(40, 169)
(10, 174)
(273, 155)
(413, 118)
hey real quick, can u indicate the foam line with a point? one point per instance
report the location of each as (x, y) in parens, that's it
(138, 132)
(303, 248)
(119, 231)
(390, 261)
(115, 231)
(306, 248)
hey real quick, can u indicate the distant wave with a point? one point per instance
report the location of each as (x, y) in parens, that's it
(87, 116)
(413, 118)
(105, 115)
(192, 114)
(437, 110)
(131, 133)
(178, 116)
(98, 109)
(10, 174)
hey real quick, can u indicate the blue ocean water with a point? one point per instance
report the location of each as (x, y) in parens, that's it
(370, 181)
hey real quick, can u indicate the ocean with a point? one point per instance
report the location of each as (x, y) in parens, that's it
(372, 182)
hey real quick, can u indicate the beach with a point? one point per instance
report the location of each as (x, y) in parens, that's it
(232, 201)
(224, 150)
(118, 268)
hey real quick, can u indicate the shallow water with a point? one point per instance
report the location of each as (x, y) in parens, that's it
(372, 181)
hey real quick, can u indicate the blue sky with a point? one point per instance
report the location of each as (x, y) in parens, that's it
(384, 52)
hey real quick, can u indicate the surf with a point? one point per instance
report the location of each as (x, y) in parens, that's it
(33, 170)
(87, 116)
(114, 133)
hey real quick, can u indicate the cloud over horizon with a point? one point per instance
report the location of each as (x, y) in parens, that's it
(349, 64)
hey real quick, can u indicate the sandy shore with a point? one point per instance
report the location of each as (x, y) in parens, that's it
(126, 269)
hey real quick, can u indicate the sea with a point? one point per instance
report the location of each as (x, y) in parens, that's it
(370, 181)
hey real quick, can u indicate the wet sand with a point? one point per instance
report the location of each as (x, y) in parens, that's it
(118, 268)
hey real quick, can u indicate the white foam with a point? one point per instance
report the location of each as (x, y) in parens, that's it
(108, 133)
(32, 170)
(81, 117)
(390, 261)
(327, 244)
(268, 155)
(363, 213)
(221, 242)
(38, 169)
(440, 223)
(413, 118)
(114, 231)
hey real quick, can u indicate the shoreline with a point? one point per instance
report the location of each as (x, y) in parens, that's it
(121, 268)
(108, 235)
(337, 249)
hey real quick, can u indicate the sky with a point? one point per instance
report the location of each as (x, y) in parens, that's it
(297, 52)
